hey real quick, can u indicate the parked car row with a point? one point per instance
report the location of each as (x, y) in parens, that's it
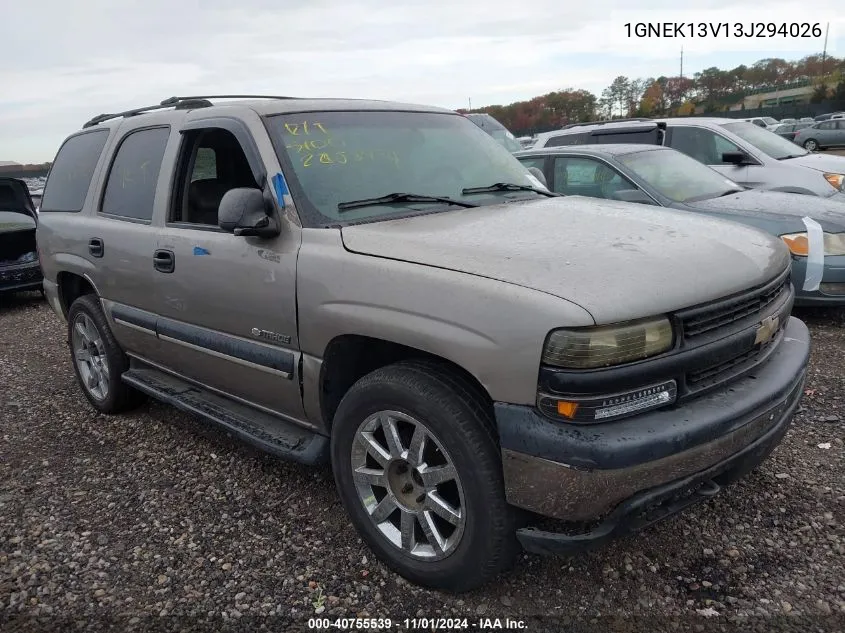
(739, 150)
(661, 176)
(596, 330)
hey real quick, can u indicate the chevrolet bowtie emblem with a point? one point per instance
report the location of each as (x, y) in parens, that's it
(768, 328)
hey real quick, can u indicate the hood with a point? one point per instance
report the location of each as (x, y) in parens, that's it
(819, 162)
(14, 197)
(773, 207)
(617, 260)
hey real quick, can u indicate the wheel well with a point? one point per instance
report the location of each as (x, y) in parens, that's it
(351, 357)
(71, 287)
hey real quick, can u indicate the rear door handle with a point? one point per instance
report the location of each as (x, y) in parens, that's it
(164, 261)
(95, 247)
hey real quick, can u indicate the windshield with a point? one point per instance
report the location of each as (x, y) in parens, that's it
(677, 176)
(345, 156)
(767, 142)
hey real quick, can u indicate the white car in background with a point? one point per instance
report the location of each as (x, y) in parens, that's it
(766, 122)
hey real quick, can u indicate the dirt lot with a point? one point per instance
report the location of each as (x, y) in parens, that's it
(148, 522)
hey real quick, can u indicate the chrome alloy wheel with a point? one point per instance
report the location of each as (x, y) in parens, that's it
(89, 354)
(408, 485)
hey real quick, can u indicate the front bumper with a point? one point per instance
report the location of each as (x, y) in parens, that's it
(834, 272)
(20, 277)
(611, 471)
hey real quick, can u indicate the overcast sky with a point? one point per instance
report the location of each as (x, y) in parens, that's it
(63, 62)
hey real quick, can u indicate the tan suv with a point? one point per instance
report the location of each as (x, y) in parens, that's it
(383, 286)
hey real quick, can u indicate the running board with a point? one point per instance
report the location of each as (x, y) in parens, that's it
(268, 433)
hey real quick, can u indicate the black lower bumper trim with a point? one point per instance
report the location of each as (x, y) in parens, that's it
(650, 506)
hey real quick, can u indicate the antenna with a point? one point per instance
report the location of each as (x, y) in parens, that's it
(682, 62)
(470, 103)
(824, 52)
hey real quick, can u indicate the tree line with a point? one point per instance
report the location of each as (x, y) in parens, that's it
(712, 88)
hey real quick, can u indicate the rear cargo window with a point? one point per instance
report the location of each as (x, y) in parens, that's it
(70, 176)
(131, 187)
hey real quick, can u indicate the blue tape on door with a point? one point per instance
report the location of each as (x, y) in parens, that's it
(281, 188)
(199, 250)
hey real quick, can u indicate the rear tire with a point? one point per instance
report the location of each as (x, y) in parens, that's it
(97, 359)
(811, 145)
(478, 541)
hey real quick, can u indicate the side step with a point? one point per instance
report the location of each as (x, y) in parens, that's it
(268, 433)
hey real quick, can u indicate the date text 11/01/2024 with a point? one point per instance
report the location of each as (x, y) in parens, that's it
(691, 30)
(423, 624)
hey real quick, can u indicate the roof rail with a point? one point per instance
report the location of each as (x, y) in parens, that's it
(177, 103)
(634, 119)
(175, 100)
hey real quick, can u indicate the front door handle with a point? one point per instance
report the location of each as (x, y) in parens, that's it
(96, 247)
(164, 261)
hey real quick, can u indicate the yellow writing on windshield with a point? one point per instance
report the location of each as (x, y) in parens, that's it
(316, 144)
(305, 128)
(343, 158)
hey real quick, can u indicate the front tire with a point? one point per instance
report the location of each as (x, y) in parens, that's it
(97, 358)
(420, 475)
(811, 145)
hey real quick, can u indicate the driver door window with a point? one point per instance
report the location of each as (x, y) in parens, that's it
(701, 144)
(723, 145)
(212, 162)
(588, 177)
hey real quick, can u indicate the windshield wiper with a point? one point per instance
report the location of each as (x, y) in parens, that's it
(791, 156)
(730, 192)
(508, 186)
(398, 197)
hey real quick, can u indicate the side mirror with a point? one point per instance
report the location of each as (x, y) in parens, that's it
(633, 195)
(243, 211)
(736, 158)
(539, 175)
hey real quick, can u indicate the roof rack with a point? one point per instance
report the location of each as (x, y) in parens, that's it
(635, 119)
(177, 103)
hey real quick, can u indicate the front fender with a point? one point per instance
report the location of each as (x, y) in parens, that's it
(493, 330)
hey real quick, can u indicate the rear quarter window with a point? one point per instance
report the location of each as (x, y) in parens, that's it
(70, 176)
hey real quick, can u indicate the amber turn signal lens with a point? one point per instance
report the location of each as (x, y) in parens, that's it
(797, 243)
(567, 409)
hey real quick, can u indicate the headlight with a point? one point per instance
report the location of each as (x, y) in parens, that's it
(836, 181)
(606, 345)
(798, 243)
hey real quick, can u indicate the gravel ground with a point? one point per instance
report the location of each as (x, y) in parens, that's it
(146, 521)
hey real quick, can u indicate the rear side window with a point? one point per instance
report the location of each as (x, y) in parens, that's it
(70, 176)
(131, 186)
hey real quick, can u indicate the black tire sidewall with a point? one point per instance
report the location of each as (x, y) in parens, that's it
(483, 492)
(117, 361)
